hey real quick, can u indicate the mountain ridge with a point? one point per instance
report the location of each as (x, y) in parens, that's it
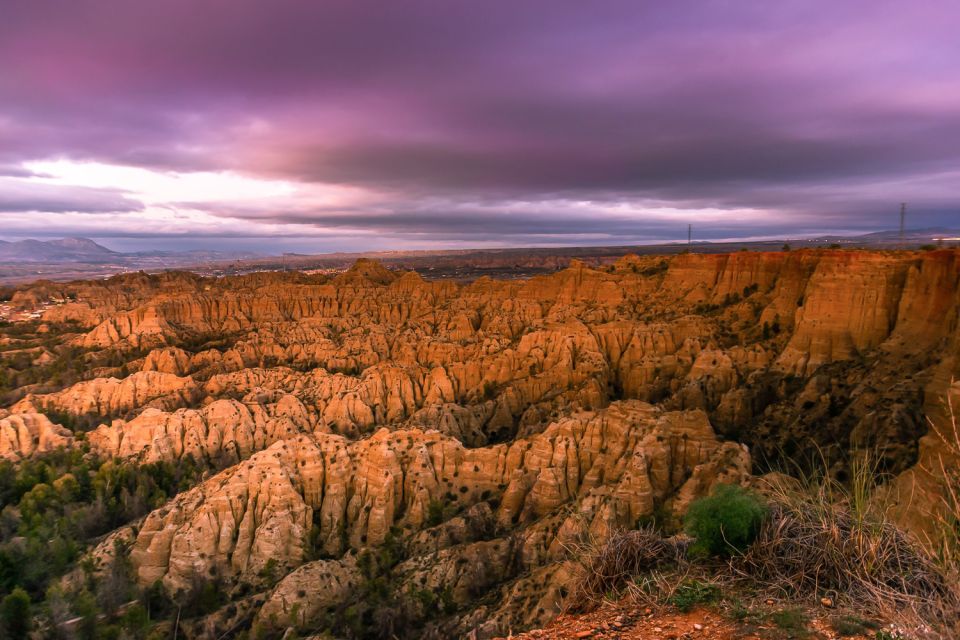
(72, 249)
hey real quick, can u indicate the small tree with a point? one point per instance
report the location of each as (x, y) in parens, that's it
(116, 586)
(435, 513)
(15, 615)
(726, 522)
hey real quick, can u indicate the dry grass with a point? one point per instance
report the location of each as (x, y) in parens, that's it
(946, 515)
(609, 566)
(823, 541)
(822, 538)
(813, 546)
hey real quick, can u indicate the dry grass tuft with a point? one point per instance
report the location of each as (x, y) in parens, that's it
(809, 548)
(607, 567)
(946, 515)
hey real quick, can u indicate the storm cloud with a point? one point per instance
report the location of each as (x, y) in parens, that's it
(494, 122)
(17, 196)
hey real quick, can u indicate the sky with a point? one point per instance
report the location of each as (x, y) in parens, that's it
(327, 125)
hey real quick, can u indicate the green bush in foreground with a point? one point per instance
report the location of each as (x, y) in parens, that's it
(726, 522)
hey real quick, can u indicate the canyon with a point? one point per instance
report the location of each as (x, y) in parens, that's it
(478, 431)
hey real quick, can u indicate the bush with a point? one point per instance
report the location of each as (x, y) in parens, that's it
(725, 522)
(15, 615)
(435, 512)
(693, 593)
(847, 626)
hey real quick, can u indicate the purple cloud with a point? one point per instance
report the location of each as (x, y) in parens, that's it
(17, 196)
(820, 114)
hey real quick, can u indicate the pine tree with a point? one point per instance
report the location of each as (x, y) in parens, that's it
(15, 615)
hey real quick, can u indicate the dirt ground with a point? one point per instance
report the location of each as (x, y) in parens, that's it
(636, 622)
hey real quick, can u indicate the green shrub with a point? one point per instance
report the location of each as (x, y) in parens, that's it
(725, 522)
(692, 594)
(793, 620)
(15, 615)
(435, 513)
(847, 626)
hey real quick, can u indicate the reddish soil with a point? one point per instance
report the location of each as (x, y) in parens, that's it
(636, 622)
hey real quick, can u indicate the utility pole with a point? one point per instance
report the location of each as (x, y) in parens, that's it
(689, 234)
(903, 217)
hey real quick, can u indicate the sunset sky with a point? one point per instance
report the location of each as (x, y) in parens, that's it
(318, 125)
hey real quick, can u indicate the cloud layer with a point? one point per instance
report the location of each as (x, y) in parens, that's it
(430, 123)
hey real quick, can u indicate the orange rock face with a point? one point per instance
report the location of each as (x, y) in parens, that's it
(616, 465)
(24, 434)
(110, 396)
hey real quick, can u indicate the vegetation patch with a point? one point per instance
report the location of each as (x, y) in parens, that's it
(54, 505)
(809, 542)
(619, 560)
(691, 594)
(817, 542)
(792, 620)
(849, 625)
(725, 523)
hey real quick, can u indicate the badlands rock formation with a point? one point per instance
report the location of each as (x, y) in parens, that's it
(222, 431)
(110, 396)
(618, 464)
(481, 428)
(23, 434)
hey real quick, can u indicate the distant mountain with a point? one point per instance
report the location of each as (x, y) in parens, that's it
(87, 252)
(914, 235)
(56, 251)
(892, 236)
